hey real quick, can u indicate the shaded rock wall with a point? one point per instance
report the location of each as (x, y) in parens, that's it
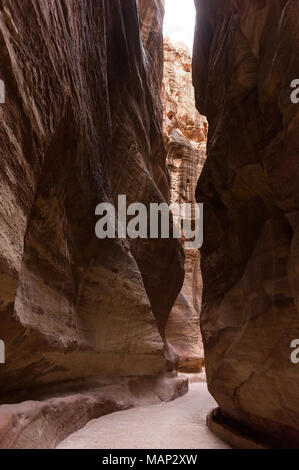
(245, 58)
(81, 124)
(152, 16)
(185, 133)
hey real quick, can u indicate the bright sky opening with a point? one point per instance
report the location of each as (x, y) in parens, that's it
(179, 21)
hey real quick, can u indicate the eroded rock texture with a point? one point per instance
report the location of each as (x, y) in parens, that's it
(45, 423)
(245, 58)
(81, 124)
(185, 132)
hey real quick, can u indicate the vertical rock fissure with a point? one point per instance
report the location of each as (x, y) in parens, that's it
(185, 135)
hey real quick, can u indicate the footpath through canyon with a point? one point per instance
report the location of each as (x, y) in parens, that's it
(179, 424)
(159, 426)
(90, 326)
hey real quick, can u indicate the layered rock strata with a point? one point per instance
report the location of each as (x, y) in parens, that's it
(245, 59)
(185, 132)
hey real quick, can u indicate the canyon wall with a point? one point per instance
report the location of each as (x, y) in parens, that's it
(245, 58)
(81, 124)
(185, 133)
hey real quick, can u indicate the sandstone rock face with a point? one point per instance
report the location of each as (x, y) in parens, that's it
(185, 132)
(81, 124)
(178, 97)
(245, 58)
(152, 16)
(44, 424)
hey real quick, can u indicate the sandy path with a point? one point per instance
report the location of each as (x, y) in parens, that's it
(176, 425)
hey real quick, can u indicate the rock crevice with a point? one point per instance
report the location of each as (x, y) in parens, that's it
(185, 134)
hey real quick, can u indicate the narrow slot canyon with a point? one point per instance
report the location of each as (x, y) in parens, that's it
(114, 332)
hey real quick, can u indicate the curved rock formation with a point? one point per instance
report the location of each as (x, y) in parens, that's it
(185, 132)
(245, 58)
(80, 125)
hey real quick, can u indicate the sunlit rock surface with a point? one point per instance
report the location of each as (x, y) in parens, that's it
(178, 94)
(185, 132)
(245, 58)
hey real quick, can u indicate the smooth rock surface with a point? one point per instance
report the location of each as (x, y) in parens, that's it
(245, 58)
(44, 424)
(82, 123)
